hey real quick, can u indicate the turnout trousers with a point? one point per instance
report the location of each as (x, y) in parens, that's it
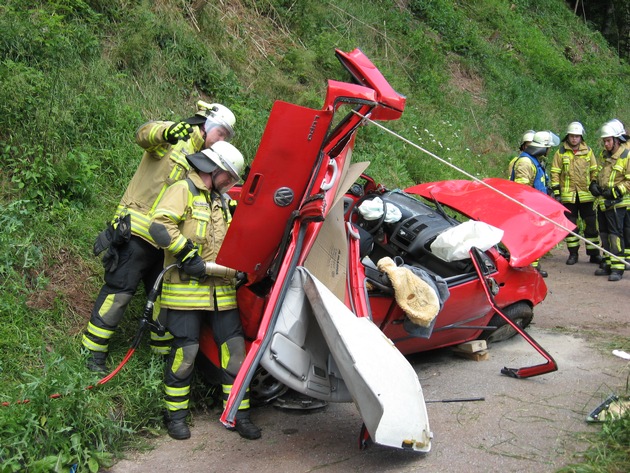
(185, 326)
(585, 211)
(611, 230)
(139, 261)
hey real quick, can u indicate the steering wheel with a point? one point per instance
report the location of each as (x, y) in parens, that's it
(370, 226)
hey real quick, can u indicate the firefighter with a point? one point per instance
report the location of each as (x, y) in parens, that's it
(528, 168)
(131, 254)
(526, 140)
(620, 129)
(190, 222)
(573, 168)
(612, 189)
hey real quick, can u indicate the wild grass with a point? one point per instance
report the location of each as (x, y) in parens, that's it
(79, 76)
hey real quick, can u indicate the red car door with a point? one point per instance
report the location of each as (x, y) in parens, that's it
(274, 188)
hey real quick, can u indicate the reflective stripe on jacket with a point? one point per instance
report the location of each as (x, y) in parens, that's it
(162, 164)
(614, 171)
(573, 172)
(188, 210)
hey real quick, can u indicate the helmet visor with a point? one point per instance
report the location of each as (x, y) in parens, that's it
(223, 181)
(213, 121)
(545, 139)
(226, 165)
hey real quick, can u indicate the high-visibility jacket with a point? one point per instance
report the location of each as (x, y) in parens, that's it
(573, 171)
(188, 210)
(614, 171)
(525, 169)
(162, 164)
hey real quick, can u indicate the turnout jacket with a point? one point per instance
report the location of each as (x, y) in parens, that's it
(161, 165)
(525, 169)
(573, 172)
(614, 171)
(188, 210)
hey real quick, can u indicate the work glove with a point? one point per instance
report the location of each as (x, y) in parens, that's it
(612, 193)
(241, 278)
(609, 204)
(116, 234)
(195, 267)
(594, 189)
(177, 131)
(110, 259)
(122, 231)
(190, 262)
(103, 240)
(555, 193)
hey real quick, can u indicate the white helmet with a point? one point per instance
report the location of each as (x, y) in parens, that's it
(527, 136)
(545, 139)
(618, 128)
(611, 129)
(221, 155)
(217, 115)
(575, 128)
(228, 158)
(608, 131)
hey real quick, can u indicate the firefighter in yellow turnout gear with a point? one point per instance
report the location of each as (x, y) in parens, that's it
(528, 167)
(612, 189)
(190, 223)
(131, 254)
(573, 168)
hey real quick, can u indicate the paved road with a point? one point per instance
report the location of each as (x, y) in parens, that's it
(531, 425)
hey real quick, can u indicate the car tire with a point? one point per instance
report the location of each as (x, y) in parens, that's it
(520, 313)
(263, 389)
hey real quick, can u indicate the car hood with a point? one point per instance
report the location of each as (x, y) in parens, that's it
(527, 235)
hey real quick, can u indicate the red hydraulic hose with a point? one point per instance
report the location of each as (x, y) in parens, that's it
(145, 321)
(100, 382)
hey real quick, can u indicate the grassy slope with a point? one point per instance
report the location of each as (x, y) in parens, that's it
(79, 76)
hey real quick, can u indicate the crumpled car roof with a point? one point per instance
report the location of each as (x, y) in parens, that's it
(527, 235)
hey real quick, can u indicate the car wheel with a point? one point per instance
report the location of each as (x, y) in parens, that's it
(521, 313)
(264, 388)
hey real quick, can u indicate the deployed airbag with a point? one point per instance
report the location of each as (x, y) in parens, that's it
(455, 243)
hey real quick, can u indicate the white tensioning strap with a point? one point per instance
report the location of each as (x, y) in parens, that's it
(470, 176)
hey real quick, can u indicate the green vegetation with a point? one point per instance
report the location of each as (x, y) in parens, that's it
(79, 76)
(609, 450)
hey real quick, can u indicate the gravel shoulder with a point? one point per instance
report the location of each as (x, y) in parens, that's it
(522, 425)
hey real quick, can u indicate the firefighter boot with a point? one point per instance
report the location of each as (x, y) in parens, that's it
(615, 275)
(604, 270)
(595, 259)
(96, 361)
(245, 427)
(542, 272)
(176, 424)
(573, 258)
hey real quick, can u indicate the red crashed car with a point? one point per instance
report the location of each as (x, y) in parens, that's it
(315, 306)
